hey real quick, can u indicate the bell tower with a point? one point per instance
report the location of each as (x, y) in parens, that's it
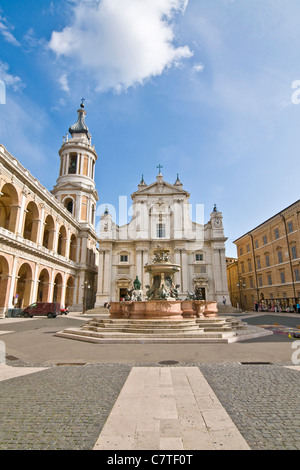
(75, 186)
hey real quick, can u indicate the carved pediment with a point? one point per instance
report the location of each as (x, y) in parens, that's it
(160, 188)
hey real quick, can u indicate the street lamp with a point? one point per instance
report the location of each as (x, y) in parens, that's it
(241, 284)
(85, 288)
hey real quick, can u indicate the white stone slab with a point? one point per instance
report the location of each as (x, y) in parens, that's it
(8, 372)
(169, 409)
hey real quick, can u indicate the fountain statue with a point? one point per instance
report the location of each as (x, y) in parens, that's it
(162, 270)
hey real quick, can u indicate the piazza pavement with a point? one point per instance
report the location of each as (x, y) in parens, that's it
(61, 394)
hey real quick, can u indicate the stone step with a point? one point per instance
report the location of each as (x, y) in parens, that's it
(140, 333)
(144, 331)
(145, 325)
(136, 339)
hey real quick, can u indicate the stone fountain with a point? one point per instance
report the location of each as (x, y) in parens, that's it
(162, 295)
(162, 317)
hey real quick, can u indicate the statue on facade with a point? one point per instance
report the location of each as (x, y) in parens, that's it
(137, 284)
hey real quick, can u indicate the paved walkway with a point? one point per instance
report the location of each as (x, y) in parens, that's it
(149, 408)
(169, 409)
(137, 405)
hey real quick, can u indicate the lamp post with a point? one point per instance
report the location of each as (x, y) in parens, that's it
(86, 286)
(241, 284)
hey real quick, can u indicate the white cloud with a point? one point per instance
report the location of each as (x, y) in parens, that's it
(32, 41)
(10, 80)
(198, 68)
(6, 31)
(121, 42)
(64, 82)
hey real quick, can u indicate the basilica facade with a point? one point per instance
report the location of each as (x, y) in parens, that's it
(161, 219)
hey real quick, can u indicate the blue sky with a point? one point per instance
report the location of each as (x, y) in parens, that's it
(206, 88)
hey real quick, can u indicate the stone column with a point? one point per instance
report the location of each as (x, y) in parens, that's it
(34, 289)
(21, 215)
(139, 268)
(146, 276)
(41, 226)
(104, 278)
(184, 270)
(13, 282)
(63, 291)
(217, 274)
(177, 276)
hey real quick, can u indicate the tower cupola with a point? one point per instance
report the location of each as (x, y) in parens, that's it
(75, 186)
(80, 128)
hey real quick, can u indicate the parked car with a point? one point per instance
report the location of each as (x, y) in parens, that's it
(51, 310)
(64, 311)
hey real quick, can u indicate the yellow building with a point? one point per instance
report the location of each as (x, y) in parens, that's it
(268, 266)
(232, 280)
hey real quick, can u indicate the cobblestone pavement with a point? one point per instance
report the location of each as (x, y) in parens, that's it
(61, 408)
(262, 400)
(65, 407)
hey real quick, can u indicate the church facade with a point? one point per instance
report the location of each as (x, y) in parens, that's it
(161, 219)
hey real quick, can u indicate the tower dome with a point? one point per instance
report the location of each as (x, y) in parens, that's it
(80, 126)
(75, 186)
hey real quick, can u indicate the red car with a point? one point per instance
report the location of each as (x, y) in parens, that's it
(51, 310)
(64, 311)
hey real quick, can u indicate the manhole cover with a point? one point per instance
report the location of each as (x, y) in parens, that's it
(71, 364)
(168, 363)
(256, 363)
(11, 358)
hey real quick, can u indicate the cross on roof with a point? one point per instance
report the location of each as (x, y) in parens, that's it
(159, 168)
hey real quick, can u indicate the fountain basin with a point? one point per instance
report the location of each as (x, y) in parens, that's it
(163, 309)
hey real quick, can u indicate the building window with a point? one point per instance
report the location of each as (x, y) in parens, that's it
(161, 230)
(258, 263)
(297, 276)
(282, 277)
(265, 241)
(294, 252)
(241, 251)
(124, 258)
(251, 282)
(269, 279)
(256, 243)
(279, 257)
(199, 257)
(249, 266)
(73, 164)
(260, 281)
(248, 248)
(290, 227)
(276, 232)
(267, 261)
